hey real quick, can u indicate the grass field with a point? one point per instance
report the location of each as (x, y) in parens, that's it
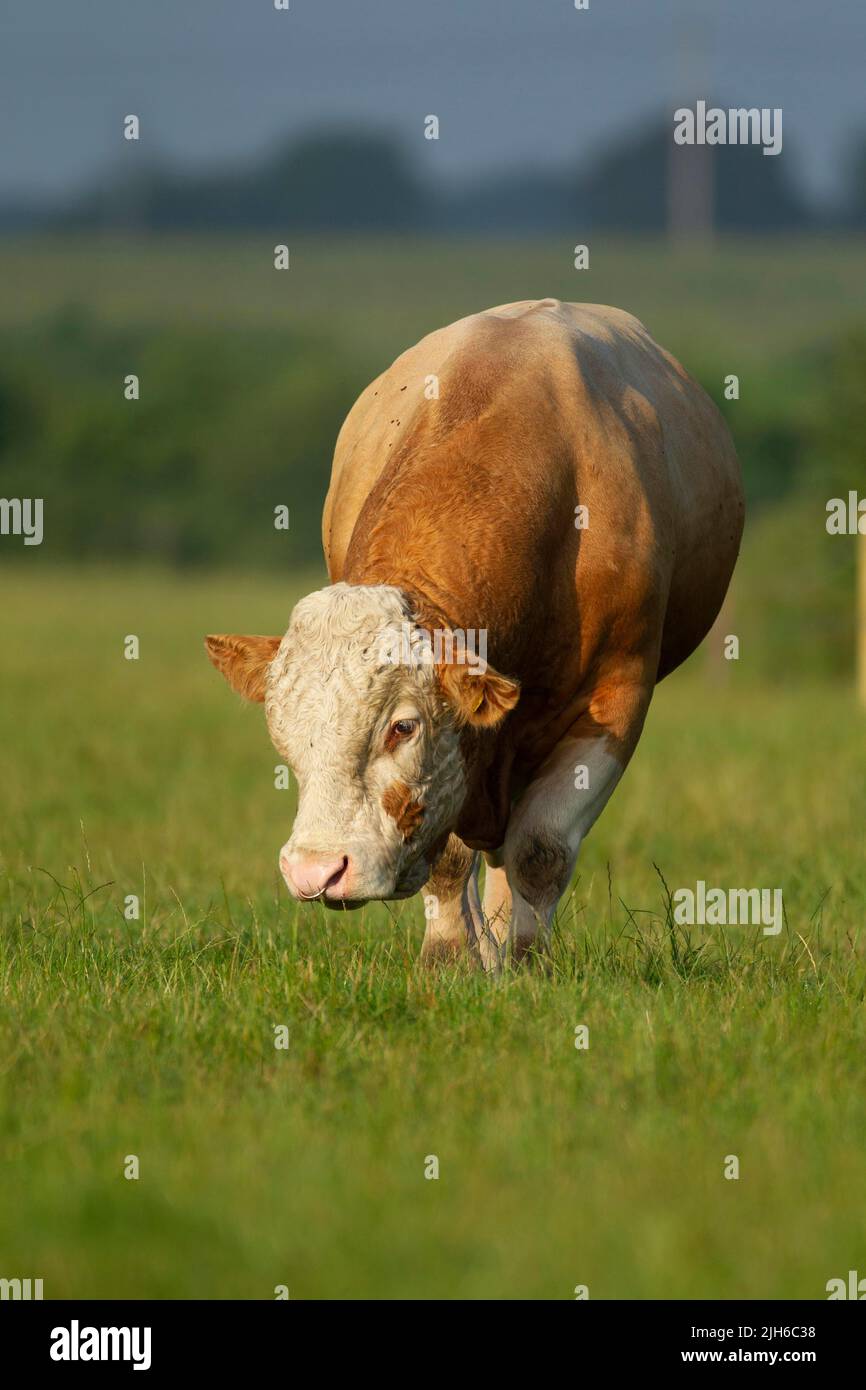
(305, 1167)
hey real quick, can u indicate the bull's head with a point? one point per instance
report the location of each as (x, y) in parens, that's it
(369, 718)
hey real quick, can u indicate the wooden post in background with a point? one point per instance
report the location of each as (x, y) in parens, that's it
(861, 619)
(690, 172)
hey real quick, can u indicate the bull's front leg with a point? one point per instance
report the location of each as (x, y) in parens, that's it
(556, 812)
(451, 906)
(497, 906)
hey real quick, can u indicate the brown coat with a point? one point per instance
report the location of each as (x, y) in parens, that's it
(468, 502)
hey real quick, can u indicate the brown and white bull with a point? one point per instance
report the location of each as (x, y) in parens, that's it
(543, 476)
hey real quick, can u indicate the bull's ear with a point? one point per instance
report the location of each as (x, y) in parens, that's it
(481, 699)
(243, 661)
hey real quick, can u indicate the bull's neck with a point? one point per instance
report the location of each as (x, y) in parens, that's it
(432, 603)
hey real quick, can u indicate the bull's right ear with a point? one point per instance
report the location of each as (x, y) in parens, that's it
(244, 662)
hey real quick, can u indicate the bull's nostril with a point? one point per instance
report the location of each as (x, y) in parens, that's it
(337, 874)
(313, 874)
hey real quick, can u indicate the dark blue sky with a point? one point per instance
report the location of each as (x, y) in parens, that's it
(513, 81)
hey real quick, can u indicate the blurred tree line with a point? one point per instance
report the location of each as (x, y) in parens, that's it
(796, 582)
(347, 181)
(232, 424)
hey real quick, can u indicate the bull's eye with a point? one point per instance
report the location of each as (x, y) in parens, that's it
(400, 731)
(404, 728)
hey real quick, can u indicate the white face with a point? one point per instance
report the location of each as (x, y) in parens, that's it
(374, 746)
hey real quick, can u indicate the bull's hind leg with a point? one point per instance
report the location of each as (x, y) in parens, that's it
(451, 905)
(558, 809)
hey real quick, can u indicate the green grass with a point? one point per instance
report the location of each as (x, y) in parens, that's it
(305, 1167)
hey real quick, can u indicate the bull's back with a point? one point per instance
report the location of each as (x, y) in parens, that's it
(682, 460)
(492, 431)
